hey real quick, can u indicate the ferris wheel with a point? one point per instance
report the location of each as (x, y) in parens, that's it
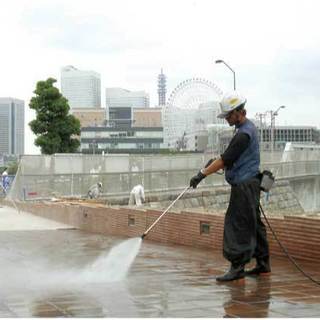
(192, 92)
(182, 105)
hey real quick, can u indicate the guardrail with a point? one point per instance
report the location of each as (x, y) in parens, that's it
(44, 186)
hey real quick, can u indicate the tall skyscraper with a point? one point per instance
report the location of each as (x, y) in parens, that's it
(11, 126)
(81, 88)
(162, 89)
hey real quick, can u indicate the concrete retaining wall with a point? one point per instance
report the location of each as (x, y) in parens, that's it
(307, 189)
(282, 200)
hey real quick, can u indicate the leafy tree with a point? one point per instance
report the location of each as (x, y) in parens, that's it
(54, 127)
(13, 168)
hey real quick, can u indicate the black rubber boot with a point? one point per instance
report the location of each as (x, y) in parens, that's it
(262, 268)
(234, 273)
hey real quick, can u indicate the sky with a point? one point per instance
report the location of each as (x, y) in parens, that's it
(273, 46)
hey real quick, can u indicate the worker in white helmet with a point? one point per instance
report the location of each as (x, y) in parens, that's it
(137, 195)
(95, 191)
(244, 232)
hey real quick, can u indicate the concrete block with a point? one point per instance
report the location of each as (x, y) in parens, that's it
(195, 203)
(205, 202)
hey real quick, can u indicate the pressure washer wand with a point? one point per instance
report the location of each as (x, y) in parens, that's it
(164, 212)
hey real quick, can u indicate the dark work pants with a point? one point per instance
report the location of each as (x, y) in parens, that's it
(245, 234)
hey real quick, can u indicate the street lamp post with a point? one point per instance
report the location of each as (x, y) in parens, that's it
(273, 124)
(234, 74)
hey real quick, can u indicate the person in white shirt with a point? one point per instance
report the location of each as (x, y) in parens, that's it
(137, 195)
(5, 180)
(95, 191)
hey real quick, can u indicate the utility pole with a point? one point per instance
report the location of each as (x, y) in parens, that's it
(273, 115)
(262, 120)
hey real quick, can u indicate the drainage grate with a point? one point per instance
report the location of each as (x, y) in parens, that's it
(131, 220)
(204, 227)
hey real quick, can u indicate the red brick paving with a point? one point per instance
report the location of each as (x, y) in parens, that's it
(164, 281)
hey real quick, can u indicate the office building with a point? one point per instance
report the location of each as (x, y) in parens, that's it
(147, 117)
(81, 88)
(125, 140)
(119, 117)
(120, 104)
(11, 126)
(123, 98)
(89, 117)
(129, 130)
(284, 134)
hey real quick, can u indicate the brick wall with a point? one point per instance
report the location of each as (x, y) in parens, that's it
(301, 235)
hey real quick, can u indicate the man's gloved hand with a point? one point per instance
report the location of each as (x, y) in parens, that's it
(196, 179)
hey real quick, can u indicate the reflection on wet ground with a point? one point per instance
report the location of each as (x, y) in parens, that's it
(41, 276)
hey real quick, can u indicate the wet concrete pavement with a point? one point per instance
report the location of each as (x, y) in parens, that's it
(11, 219)
(40, 278)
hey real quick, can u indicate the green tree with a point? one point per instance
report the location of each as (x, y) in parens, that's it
(54, 127)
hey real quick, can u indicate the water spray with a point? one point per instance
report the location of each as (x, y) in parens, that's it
(164, 212)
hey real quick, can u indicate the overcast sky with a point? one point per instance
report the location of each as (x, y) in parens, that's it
(274, 47)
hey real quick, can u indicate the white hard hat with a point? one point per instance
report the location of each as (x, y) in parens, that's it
(229, 102)
(100, 184)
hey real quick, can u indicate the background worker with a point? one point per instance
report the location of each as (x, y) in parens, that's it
(5, 180)
(95, 191)
(137, 195)
(244, 233)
